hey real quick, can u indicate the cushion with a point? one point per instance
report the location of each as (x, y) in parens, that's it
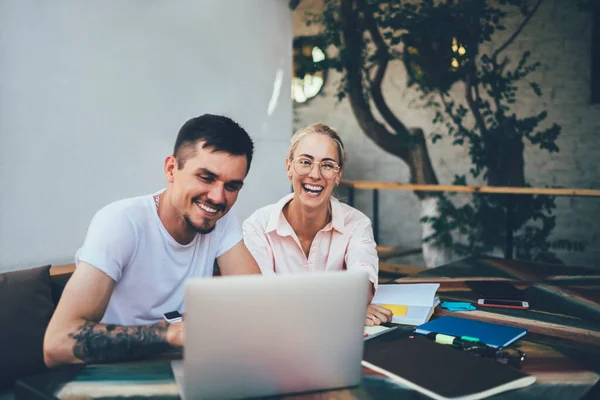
(57, 285)
(25, 309)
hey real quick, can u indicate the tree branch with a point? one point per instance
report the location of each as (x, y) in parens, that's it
(496, 93)
(474, 105)
(293, 4)
(518, 31)
(455, 118)
(383, 60)
(353, 64)
(414, 154)
(477, 95)
(368, 68)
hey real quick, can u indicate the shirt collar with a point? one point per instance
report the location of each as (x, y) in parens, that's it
(277, 221)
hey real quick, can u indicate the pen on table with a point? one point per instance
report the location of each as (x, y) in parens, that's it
(462, 342)
(477, 347)
(467, 343)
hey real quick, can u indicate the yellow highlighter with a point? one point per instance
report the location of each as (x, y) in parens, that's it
(396, 309)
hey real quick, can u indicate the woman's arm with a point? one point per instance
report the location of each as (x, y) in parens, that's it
(362, 254)
(258, 245)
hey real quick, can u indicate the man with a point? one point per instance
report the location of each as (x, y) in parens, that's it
(138, 252)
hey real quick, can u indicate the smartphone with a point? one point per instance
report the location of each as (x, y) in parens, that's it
(172, 316)
(521, 305)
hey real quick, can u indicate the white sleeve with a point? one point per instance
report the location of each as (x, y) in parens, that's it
(231, 233)
(110, 242)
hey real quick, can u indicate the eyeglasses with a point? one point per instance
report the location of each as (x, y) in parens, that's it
(303, 166)
(512, 357)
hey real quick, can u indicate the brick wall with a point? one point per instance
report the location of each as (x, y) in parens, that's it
(560, 37)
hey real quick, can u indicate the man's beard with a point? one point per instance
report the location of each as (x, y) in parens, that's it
(205, 228)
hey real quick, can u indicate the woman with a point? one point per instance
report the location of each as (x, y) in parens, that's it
(309, 230)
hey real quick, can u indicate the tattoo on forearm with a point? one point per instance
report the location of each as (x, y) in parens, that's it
(96, 343)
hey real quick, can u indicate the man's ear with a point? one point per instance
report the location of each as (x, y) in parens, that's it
(170, 167)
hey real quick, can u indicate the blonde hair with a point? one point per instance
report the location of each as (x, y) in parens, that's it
(321, 129)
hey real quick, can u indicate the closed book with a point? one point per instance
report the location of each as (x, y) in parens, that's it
(440, 371)
(494, 335)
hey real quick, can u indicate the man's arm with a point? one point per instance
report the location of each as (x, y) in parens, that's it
(238, 261)
(74, 334)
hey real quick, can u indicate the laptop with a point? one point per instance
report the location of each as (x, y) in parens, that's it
(250, 336)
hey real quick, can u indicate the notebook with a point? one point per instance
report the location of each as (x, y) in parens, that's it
(412, 304)
(441, 371)
(373, 331)
(494, 335)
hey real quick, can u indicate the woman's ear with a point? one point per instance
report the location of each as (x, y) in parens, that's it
(338, 178)
(288, 168)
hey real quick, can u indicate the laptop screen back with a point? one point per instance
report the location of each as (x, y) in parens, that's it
(265, 335)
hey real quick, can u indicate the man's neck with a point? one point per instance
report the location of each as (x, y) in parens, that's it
(172, 221)
(306, 222)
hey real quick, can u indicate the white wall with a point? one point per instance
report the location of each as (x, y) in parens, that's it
(92, 94)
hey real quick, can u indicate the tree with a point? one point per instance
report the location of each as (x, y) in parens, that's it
(440, 43)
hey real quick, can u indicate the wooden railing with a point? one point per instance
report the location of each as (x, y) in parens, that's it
(508, 193)
(61, 270)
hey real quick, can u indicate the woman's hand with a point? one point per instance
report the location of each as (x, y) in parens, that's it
(377, 315)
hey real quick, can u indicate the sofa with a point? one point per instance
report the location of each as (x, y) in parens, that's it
(28, 299)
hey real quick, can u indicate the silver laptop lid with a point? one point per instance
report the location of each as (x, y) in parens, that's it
(266, 335)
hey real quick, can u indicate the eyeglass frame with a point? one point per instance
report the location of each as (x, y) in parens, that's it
(502, 355)
(337, 166)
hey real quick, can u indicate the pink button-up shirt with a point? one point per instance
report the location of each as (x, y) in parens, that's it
(344, 243)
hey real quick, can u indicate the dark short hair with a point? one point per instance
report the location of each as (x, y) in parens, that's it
(217, 132)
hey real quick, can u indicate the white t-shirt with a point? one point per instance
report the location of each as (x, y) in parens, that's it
(127, 241)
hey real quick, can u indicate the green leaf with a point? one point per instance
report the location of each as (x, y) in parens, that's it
(536, 88)
(460, 180)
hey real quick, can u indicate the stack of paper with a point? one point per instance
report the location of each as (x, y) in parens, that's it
(412, 304)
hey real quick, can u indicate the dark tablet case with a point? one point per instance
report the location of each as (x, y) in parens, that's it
(439, 368)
